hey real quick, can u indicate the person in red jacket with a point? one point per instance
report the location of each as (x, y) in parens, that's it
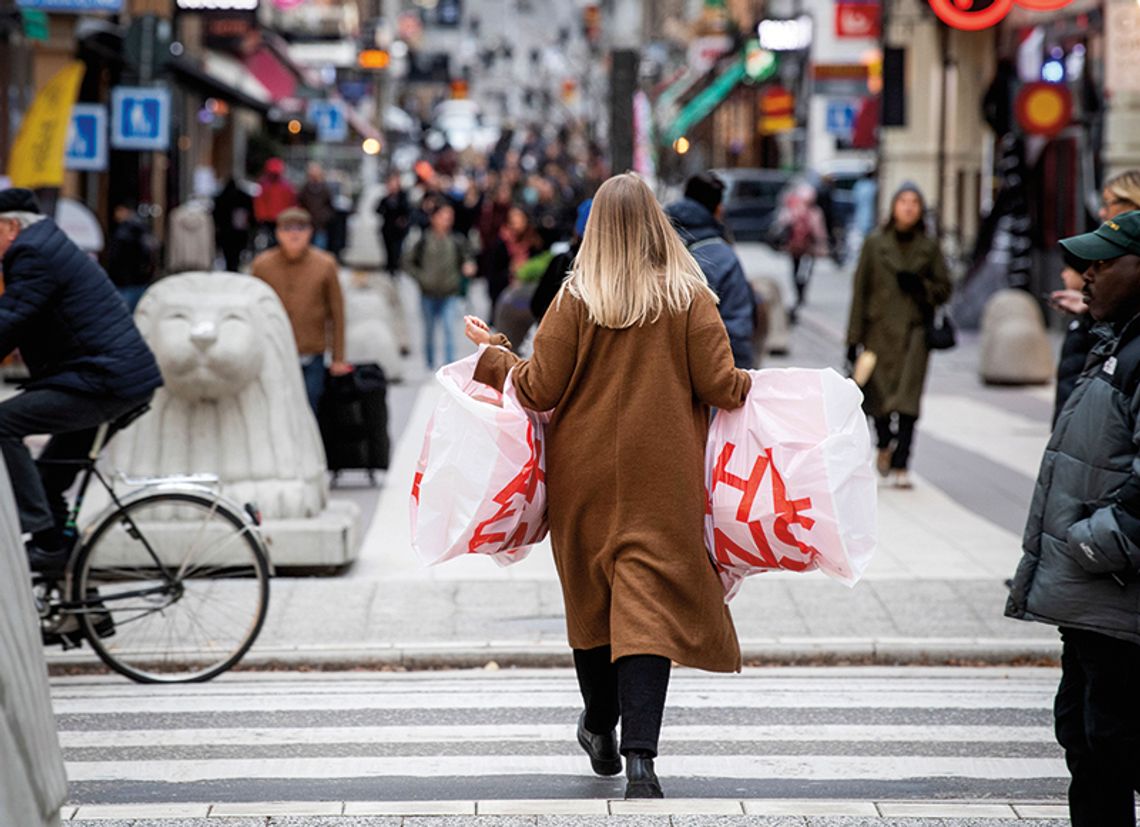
(276, 195)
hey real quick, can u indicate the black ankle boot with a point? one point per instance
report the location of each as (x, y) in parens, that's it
(641, 780)
(602, 749)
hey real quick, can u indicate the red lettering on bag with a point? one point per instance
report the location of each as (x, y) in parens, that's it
(525, 483)
(416, 480)
(788, 513)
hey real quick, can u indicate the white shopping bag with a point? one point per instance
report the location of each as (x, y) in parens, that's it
(789, 479)
(480, 484)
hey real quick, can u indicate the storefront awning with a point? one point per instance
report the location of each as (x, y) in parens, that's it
(223, 77)
(705, 101)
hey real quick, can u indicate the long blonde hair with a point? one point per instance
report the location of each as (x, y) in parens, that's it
(632, 265)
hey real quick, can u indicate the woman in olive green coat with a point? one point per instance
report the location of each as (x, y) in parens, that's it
(899, 282)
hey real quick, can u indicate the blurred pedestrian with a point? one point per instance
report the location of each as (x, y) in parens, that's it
(697, 218)
(493, 210)
(1121, 194)
(1082, 540)
(86, 361)
(316, 198)
(518, 241)
(395, 220)
(130, 255)
(900, 281)
(629, 357)
(560, 265)
(305, 279)
(233, 223)
(802, 234)
(440, 261)
(275, 194)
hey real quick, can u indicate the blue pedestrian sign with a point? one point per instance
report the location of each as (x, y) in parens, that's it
(840, 118)
(331, 120)
(73, 6)
(140, 118)
(87, 138)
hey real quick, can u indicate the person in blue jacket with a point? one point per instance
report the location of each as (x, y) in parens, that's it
(86, 360)
(696, 217)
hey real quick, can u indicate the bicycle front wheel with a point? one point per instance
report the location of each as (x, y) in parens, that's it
(174, 588)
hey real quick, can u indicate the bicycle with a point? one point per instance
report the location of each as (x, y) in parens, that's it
(169, 584)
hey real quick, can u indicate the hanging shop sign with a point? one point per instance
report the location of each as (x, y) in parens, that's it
(759, 64)
(840, 80)
(1122, 46)
(975, 15)
(217, 5)
(777, 111)
(785, 35)
(72, 6)
(858, 20)
(1043, 108)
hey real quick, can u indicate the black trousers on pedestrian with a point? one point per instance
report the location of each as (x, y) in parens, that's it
(898, 429)
(632, 689)
(73, 419)
(1097, 714)
(393, 250)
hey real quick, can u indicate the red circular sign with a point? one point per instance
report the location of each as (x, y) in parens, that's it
(1044, 108)
(971, 15)
(1043, 5)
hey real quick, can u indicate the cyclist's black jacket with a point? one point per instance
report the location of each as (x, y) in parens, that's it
(72, 328)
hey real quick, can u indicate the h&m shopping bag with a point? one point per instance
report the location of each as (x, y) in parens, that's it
(480, 484)
(789, 479)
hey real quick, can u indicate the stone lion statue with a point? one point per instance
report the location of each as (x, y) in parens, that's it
(234, 401)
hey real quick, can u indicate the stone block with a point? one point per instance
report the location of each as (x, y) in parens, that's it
(1015, 347)
(375, 327)
(778, 337)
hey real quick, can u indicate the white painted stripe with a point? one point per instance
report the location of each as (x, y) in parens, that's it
(934, 698)
(818, 768)
(495, 733)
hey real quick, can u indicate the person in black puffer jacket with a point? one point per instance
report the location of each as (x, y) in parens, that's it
(695, 217)
(87, 362)
(1080, 570)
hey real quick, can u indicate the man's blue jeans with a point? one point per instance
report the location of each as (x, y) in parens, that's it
(440, 311)
(313, 370)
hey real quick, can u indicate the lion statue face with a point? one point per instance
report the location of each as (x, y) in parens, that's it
(207, 346)
(233, 403)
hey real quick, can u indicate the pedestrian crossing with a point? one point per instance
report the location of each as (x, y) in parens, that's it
(869, 733)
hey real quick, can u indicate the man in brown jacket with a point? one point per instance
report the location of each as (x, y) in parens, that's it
(305, 279)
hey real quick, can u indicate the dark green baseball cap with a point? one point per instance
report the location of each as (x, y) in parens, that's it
(1119, 236)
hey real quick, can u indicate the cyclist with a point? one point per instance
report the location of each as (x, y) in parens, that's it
(86, 360)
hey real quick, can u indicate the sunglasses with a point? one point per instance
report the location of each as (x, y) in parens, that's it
(294, 228)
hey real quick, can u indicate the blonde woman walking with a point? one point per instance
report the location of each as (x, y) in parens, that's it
(630, 357)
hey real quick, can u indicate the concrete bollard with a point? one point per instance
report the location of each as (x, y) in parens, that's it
(32, 782)
(778, 334)
(1015, 347)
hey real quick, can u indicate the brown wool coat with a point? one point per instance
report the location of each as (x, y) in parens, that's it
(310, 291)
(625, 475)
(891, 322)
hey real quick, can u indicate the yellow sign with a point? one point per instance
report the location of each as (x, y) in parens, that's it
(37, 154)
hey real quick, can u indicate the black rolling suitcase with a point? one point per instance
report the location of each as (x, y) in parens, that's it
(353, 417)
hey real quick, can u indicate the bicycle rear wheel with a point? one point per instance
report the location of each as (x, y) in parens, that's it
(190, 618)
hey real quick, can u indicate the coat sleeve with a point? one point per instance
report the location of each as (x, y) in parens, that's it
(541, 380)
(938, 286)
(24, 297)
(336, 312)
(1108, 541)
(738, 310)
(716, 380)
(856, 324)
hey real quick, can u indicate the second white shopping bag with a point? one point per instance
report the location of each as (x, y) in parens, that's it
(789, 479)
(480, 483)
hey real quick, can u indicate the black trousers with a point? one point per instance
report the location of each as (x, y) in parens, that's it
(632, 689)
(901, 433)
(73, 418)
(393, 250)
(1097, 714)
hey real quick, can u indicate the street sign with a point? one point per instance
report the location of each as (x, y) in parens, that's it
(841, 118)
(331, 120)
(73, 6)
(87, 138)
(140, 118)
(858, 19)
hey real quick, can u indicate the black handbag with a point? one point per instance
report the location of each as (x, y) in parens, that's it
(940, 332)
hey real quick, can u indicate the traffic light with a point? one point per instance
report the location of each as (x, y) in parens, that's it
(374, 59)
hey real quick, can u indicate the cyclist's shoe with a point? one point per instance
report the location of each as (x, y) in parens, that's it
(49, 564)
